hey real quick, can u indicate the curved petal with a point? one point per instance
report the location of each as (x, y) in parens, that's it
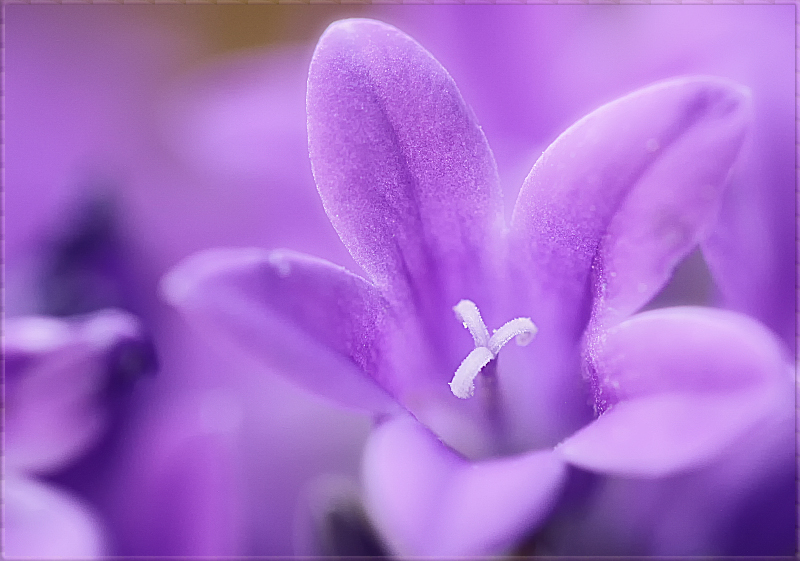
(404, 171)
(307, 318)
(687, 349)
(57, 373)
(657, 435)
(624, 194)
(429, 501)
(42, 522)
(678, 387)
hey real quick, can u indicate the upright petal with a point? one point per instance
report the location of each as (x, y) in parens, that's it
(429, 501)
(405, 173)
(311, 320)
(680, 386)
(624, 194)
(57, 374)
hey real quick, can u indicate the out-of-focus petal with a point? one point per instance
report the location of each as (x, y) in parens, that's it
(42, 522)
(57, 373)
(624, 194)
(405, 173)
(690, 382)
(429, 501)
(309, 319)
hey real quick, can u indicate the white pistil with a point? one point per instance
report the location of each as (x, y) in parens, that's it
(470, 316)
(486, 348)
(521, 328)
(462, 384)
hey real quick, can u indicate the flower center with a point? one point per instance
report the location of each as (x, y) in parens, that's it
(486, 347)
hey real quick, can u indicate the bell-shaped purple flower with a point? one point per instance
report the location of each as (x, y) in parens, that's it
(476, 433)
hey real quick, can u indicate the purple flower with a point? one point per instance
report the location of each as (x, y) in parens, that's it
(60, 376)
(408, 181)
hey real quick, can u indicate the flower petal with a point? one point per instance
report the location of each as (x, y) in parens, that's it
(661, 434)
(405, 173)
(429, 501)
(690, 382)
(42, 522)
(688, 349)
(625, 193)
(308, 319)
(57, 374)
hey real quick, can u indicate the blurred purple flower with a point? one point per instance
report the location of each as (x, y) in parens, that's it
(409, 182)
(60, 379)
(107, 185)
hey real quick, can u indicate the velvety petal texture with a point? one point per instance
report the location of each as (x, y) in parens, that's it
(301, 315)
(42, 522)
(689, 383)
(625, 193)
(429, 501)
(57, 373)
(404, 171)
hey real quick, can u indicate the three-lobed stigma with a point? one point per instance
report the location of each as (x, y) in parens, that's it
(486, 347)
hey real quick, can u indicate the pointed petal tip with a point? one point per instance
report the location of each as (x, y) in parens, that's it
(662, 155)
(388, 171)
(353, 25)
(347, 30)
(180, 285)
